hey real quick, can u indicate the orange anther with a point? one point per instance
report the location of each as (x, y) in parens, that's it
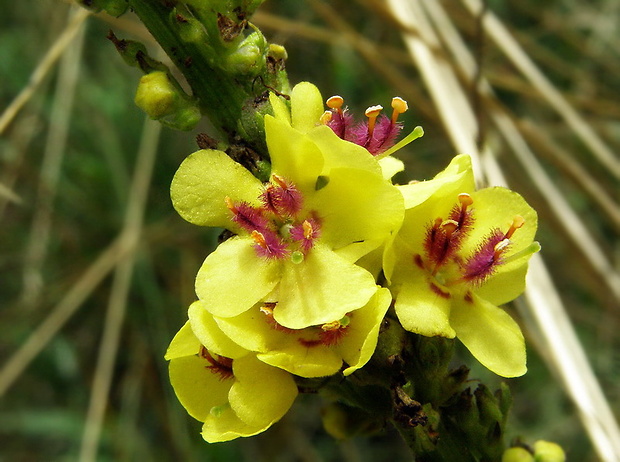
(326, 117)
(449, 226)
(259, 239)
(279, 181)
(517, 222)
(335, 102)
(399, 105)
(308, 230)
(372, 113)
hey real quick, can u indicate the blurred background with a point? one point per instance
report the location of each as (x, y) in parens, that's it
(97, 268)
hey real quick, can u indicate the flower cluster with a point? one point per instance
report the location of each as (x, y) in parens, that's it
(323, 250)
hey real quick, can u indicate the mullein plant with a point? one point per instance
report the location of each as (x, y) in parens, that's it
(330, 278)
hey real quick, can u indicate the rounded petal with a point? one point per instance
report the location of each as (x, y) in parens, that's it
(304, 361)
(281, 347)
(306, 106)
(390, 166)
(225, 426)
(491, 335)
(198, 388)
(210, 335)
(253, 331)
(339, 153)
(360, 341)
(357, 205)
(320, 289)
(201, 184)
(421, 310)
(293, 155)
(233, 278)
(184, 343)
(504, 286)
(261, 394)
(398, 258)
(455, 178)
(280, 109)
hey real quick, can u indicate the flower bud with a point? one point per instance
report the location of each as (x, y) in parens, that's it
(160, 98)
(517, 454)
(190, 29)
(156, 95)
(249, 57)
(546, 451)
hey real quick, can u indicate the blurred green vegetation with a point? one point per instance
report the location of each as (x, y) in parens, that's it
(42, 415)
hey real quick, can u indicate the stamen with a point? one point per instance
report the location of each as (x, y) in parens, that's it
(279, 180)
(326, 117)
(372, 113)
(282, 197)
(517, 222)
(335, 102)
(462, 214)
(466, 201)
(308, 230)
(230, 204)
(259, 238)
(269, 245)
(246, 216)
(221, 366)
(499, 248)
(448, 227)
(332, 332)
(486, 258)
(334, 325)
(400, 106)
(306, 234)
(267, 308)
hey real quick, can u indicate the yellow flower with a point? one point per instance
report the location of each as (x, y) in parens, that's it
(314, 351)
(458, 255)
(297, 236)
(234, 396)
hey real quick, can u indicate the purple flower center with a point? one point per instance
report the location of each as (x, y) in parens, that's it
(443, 248)
(279, 227)
(377, 134)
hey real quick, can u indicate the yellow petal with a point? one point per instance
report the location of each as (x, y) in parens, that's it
(491, 335)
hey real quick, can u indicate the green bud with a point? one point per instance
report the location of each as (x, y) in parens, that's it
(156, 95)
(277, 52)
(546, 451)
(135, 54)
(517, 454)
(488, 406)
(190, 29)
(249, 57)
(161, 99)
(504, 397)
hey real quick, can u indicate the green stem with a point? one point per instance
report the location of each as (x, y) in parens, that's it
(211, 64)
